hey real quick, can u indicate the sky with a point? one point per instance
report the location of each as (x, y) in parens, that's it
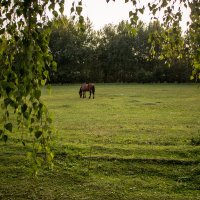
(101, 13)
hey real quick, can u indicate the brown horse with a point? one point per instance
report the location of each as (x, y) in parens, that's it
(87, 87)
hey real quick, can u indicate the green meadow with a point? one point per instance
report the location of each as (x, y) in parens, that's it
(132, 142)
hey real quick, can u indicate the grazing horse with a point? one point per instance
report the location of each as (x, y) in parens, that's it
(86, 87)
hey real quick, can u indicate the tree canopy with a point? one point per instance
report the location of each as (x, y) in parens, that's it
(114, 54)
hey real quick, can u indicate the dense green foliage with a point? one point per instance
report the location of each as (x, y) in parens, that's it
(115, 54)
(25, 61)
(72, 49)
(133, 141)
(172, 14)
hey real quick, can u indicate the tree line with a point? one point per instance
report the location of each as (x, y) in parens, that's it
(116, 53)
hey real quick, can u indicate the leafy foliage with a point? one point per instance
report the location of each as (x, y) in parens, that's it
(171, 43)
(25, 61)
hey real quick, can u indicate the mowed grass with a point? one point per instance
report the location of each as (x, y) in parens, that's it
(132, 141)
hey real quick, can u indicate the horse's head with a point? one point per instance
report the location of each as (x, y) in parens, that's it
(80, 92)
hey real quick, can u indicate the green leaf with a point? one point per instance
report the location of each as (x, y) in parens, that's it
(81, 19)
(161, 57)
(7, 114)
(24, 107)
(134, 2)
(8, 89)
(79, 9)
(26, 115)
(39, 24)
(30, 129)
(39, 161)
(52, 6)
(2, 31)
(154, 11)
(49, 120)
(39, 114)
(5, 138)
(8, 127)
(164, 3)
(37, 94)
(54, 65)
(61, 9)
(46, 73)
(130, 13)
(135, 18)
(7, 101)
(73, 17)
(55, 13)
(72, 9)
(32, 120)
(8, 15)
(141, 10)
(43, 82)
(38, 134)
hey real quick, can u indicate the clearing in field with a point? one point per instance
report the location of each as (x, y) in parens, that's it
(131, 142)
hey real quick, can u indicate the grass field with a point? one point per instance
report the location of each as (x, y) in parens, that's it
(131, 142)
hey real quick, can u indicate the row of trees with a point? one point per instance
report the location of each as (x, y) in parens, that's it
(116, 53)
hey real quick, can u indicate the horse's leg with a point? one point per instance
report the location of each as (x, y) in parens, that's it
(90, 94)
(84, 94)
(93, 91)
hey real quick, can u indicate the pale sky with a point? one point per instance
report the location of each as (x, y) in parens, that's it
(100, 12)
